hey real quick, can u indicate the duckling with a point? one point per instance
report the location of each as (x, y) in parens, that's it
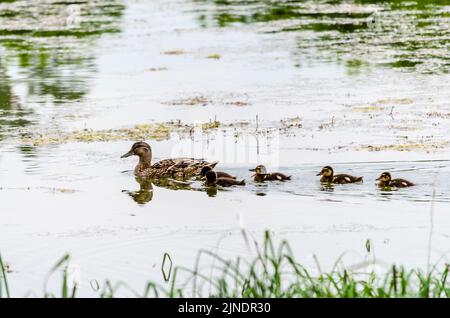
(328, 176)
(262, 175)
(212, 180)
(385, 180)
(178, 168)
(218, 173)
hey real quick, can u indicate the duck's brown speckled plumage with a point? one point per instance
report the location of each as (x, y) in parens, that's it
(177, 168)
(328, 176)
(385, 180)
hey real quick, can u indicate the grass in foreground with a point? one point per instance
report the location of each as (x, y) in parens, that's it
(273, 272)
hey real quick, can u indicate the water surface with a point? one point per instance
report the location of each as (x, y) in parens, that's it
(295, 85)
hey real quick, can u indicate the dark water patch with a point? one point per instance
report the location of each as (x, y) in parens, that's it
(326, 27)
(47, 49)
(57, 33)
(12, 114)
(8, 13)
(404, 63)
(370, 30)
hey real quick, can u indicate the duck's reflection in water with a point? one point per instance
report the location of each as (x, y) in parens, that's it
(173, 184)
(261, 189)
(386, 193)
(327, 187)
(145, 193)
(211, 191)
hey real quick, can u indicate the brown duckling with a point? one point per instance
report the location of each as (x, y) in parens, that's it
(385, 180)
(218, 173)
(328, 176)
(212, 180)
(262, 175)
(178, 168)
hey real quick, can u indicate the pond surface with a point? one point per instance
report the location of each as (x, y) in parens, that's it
(295, 85)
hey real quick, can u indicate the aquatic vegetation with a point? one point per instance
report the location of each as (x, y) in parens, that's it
(157, 132)
(61, 190)
(174, 52)
(153, 131)
(210, 125)
(367, 109)
(272, 273)
(396, 101)
(327, 125)
(404, 127)
(411, 146)
(157, 69)
(199, 100)
(214, 56)
(237, 103)
(202, 100)
(438, 115)
(381, 105)
(288, 123)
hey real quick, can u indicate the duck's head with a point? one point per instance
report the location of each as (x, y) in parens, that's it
(385, 177)
(205, 170)
(140, 149)
(211, 176)
(260, 169)
(326, 171)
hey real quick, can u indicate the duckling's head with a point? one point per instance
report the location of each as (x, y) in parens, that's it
(260, 169)
(205, 170)
(211, 176)
(385, 177)
(326, 171)
(140, 149)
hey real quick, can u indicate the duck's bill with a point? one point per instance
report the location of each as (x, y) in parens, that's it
(378, 179)
(319, 174)
(129, 153)
(252, 170)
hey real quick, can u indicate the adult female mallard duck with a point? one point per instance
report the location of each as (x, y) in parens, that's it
(262, 175)
(328, 176)
(178, 168)
(385, 180)
(212, 180)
